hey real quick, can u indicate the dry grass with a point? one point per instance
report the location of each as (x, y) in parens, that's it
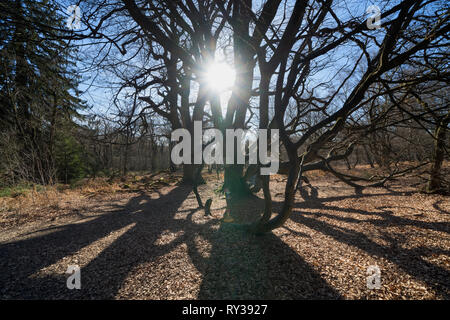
(53, 202)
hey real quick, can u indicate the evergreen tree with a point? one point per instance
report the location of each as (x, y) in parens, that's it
(38, 85)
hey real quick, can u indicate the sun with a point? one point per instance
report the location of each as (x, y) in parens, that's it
(220, 76)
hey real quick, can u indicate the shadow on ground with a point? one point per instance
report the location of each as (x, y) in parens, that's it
(239, 265)
(245, 266)
(410, 260)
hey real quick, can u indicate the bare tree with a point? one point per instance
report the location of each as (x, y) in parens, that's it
(310, 69)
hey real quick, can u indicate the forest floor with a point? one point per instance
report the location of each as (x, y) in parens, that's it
(146, 238)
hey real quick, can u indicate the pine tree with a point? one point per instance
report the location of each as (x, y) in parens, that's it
(38, 85)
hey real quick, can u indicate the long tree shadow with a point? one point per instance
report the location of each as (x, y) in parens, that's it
(245, 266)
(106, 272)
(239, 265)
(410, 260)
(437, 206)
(387, 217)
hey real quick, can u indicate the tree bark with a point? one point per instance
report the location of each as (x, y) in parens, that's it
(435, 183)
(235, 182)
(189, 174)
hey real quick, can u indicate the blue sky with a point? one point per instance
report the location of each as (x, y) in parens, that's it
(100, 85)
